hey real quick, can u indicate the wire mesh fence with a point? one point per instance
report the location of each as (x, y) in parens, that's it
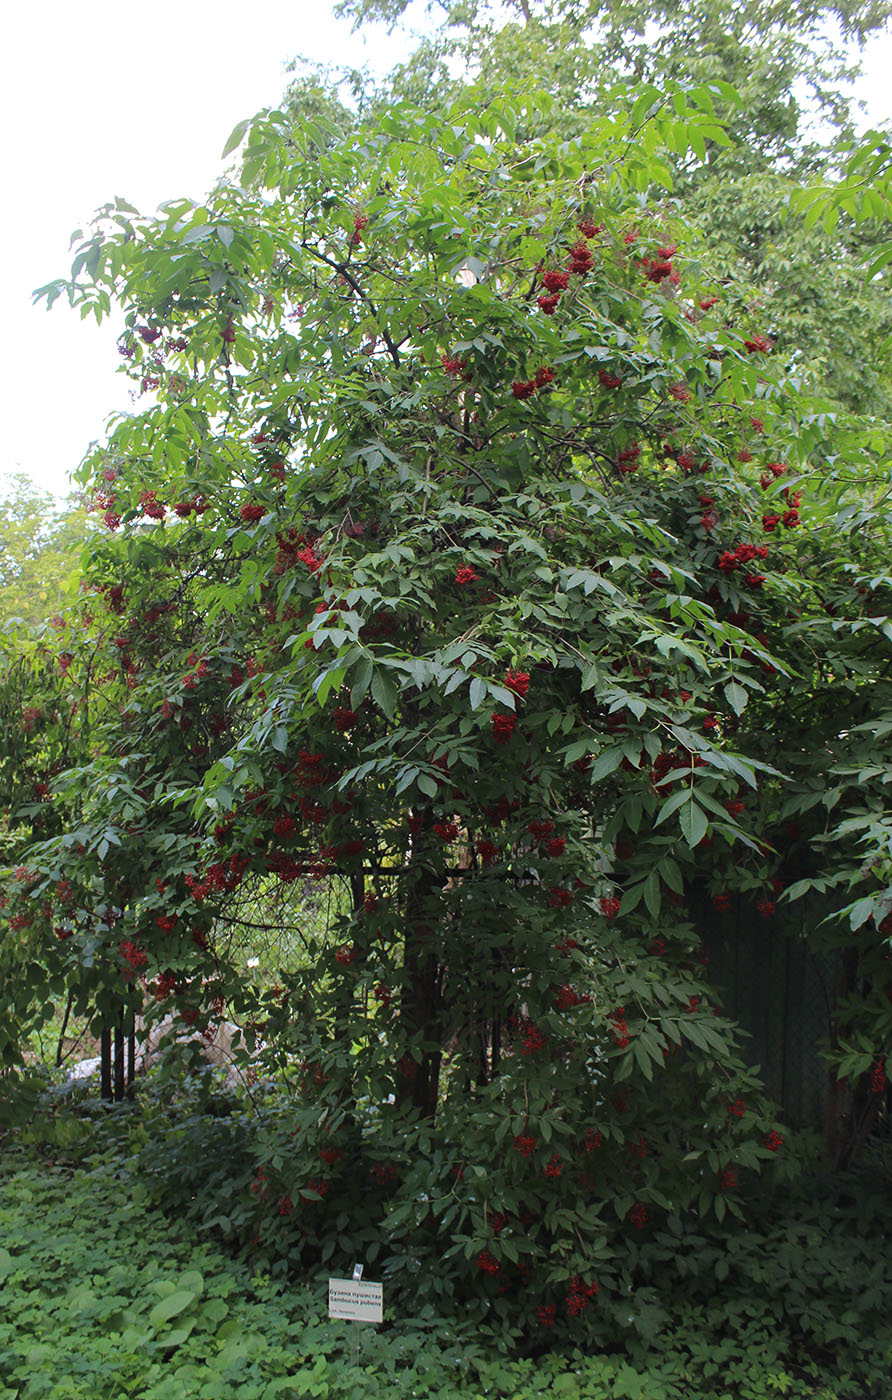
(782, 994)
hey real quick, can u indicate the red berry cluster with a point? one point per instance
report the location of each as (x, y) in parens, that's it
(446, 830)
(151, 506)
(579, 263)
(517, 681)
(772, 471)
(526, 388)
(308, 556)
(132, 954)
(708, 519)
(533, 1039)
(556, 280)
(618, 1028)
(732, 559)
(579, 259)
(660, 268)
(503, 727)
(455, 367)
(487, 850)
(183, 509)
(579, 1296)
(788, 518)
(628, 459)
(487, 1262)
(567, 997)
(464, 575)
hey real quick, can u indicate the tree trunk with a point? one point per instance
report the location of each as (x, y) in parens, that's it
(119, 1057)
(105, 1066)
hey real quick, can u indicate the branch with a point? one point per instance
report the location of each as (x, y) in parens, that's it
(343, 271)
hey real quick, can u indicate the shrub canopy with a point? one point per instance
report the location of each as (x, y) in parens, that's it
(469, 557)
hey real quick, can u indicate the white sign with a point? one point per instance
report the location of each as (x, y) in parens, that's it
(354, 1301)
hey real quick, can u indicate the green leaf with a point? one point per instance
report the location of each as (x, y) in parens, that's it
(171, 1306)
(362, 679)
(608, 761)
(652, 894)
(236, 136)
(693, 823)
(384, 692)
(672, 804)
(192, 1279)
(861, 912)
(736, 697)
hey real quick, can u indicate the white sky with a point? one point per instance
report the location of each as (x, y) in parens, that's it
(136, 98)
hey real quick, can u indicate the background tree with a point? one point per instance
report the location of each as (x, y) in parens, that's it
(40, 544)
(789, 66)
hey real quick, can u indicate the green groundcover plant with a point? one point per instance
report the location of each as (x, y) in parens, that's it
(103, 1295)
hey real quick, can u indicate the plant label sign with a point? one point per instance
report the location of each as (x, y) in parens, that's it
(354, 1301)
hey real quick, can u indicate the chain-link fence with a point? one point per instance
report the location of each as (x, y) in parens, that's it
(782, 995)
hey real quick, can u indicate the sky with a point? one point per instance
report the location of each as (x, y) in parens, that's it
(118, 98)
(136, 100)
